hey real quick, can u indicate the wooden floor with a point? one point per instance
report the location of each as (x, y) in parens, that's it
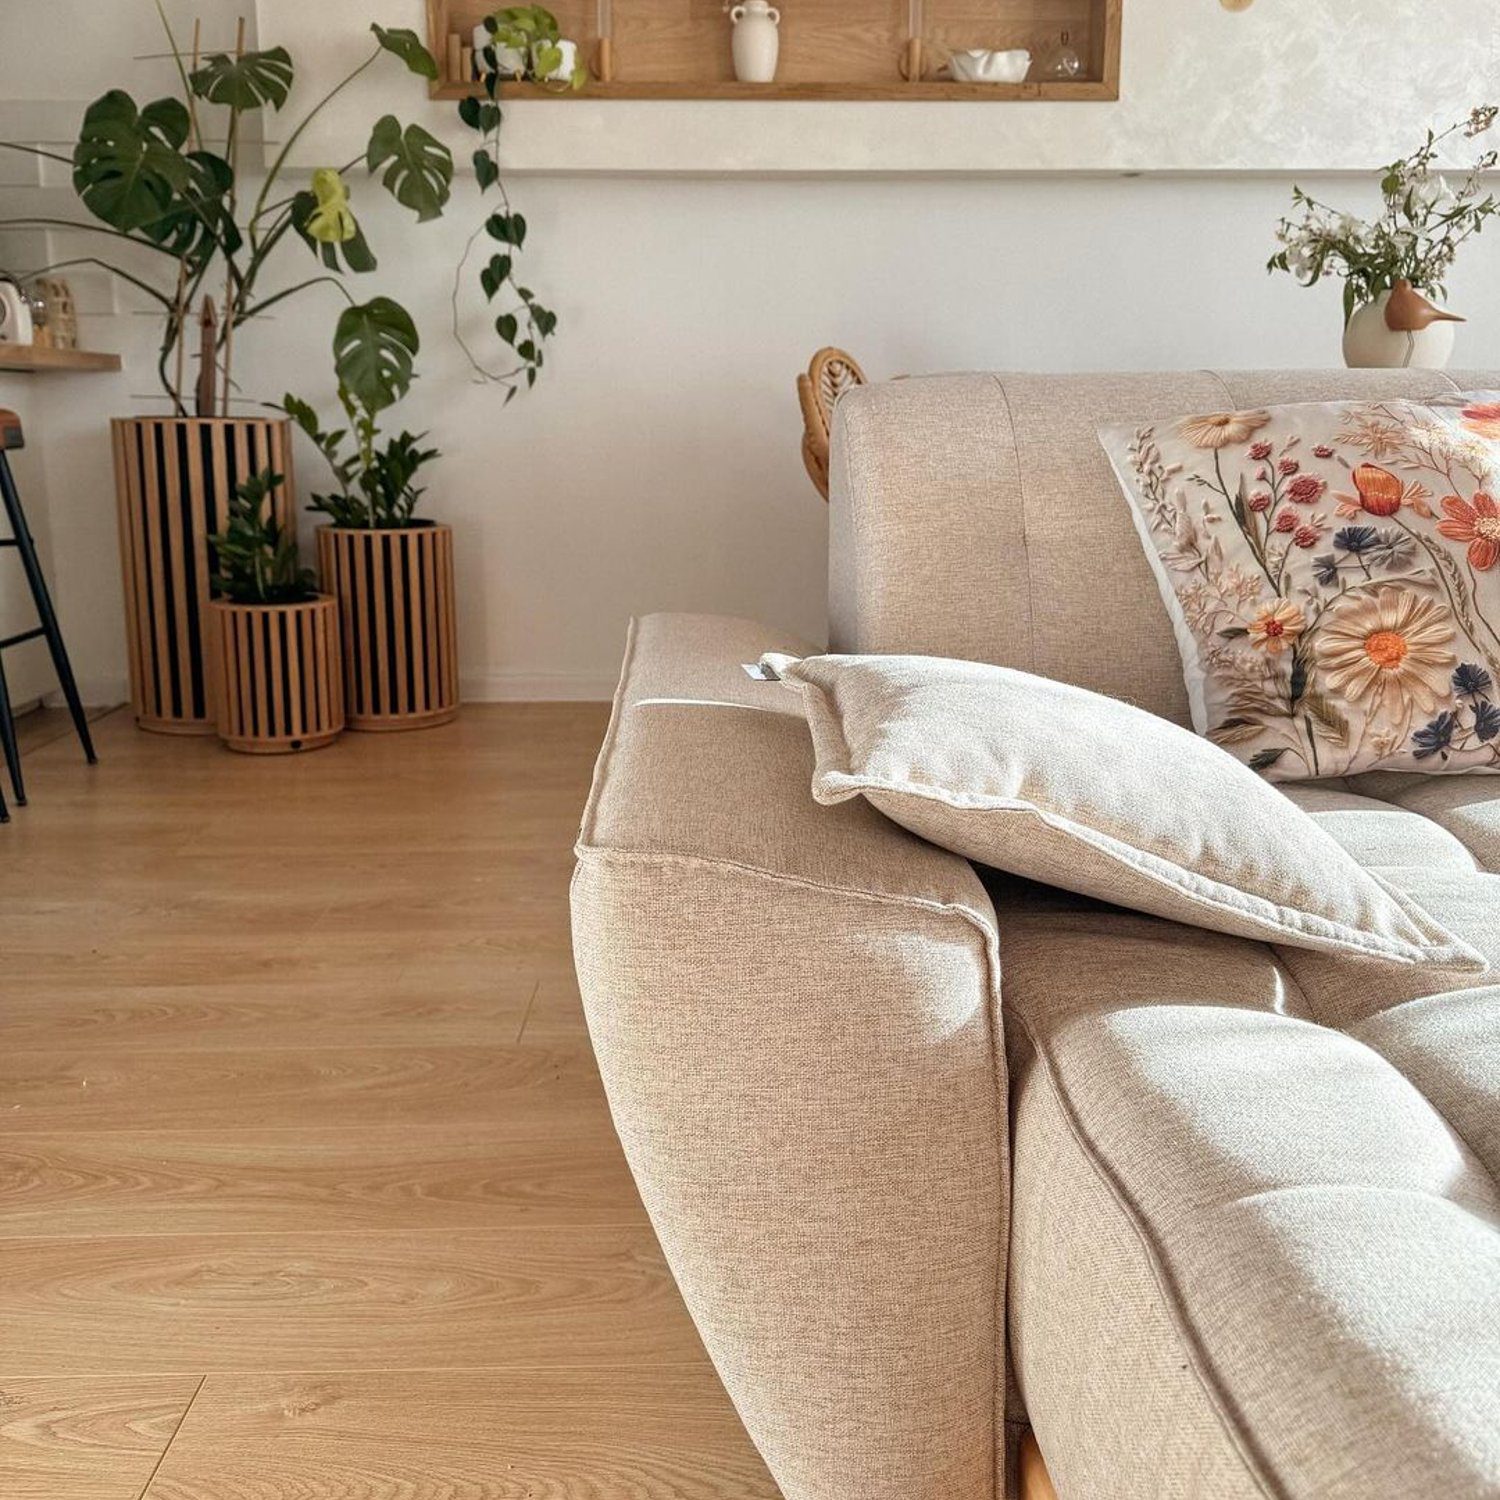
(307, 1184)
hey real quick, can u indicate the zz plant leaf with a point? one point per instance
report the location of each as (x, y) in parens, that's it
(418, 168)
(245, 83)
(374, 352)
(256, 557)
(377, 480)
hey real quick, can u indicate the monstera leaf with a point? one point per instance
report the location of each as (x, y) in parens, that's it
(247, 82)
(128, 166)
(331, 222)
(374, 349)
(201, 222)
(130, 170)
(420, 170)
(405, 44)
(327, 225)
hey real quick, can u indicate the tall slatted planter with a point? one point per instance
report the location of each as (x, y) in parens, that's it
(281, 671)
(400, 633)
(173, 479)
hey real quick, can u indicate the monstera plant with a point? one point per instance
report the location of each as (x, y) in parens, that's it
(147, 174)
(165, 177)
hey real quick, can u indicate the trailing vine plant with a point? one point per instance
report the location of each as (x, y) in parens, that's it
(523, 46)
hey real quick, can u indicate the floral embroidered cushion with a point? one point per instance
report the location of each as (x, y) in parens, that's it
(1332, 572)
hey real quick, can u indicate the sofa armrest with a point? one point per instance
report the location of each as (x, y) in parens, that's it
(794, 1009)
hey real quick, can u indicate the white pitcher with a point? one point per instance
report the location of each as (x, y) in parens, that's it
(757, 42)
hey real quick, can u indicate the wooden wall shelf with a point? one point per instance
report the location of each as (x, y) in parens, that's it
(830, 49)
(34, 358)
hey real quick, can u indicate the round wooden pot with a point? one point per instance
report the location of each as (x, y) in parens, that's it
(400, 633)
(173, 480)
(280, 668)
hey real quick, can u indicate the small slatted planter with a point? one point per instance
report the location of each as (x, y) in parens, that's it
(174, 477)
(281, 670)
(400, 632)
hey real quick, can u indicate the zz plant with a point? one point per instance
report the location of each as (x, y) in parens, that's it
(148, 176)
(523, 46)
(258, 562)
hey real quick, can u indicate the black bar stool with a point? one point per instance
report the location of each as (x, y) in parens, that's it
(20, 538)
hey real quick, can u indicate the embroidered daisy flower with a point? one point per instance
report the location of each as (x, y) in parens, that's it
(1391, 650)
(1224, 429)
(1276, 626)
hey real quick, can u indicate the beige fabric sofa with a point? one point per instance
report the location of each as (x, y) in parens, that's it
(933, 1153)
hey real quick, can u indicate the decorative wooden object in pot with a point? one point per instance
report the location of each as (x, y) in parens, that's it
(280, 667)
(173, 478)
(400, 635)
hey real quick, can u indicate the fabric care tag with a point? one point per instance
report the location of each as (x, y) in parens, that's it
(761, 671)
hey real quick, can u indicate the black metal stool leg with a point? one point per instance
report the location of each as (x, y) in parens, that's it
(8, 739)
(50, 628)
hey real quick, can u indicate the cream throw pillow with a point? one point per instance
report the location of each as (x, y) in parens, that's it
(1332, 574)
(1080, 791)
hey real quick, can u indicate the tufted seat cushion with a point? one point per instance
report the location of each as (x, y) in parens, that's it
(1294, 1158)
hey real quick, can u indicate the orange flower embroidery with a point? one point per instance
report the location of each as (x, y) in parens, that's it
(1477, 523)
(1483, 419)
(1380, 491)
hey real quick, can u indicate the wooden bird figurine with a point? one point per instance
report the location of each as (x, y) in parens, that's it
(1409, 311)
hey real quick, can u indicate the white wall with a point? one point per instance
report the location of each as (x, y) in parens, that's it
(1293, 85)
(657, 465)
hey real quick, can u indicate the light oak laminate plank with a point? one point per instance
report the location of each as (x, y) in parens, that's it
(542, 1434)
(399, 1300)
(555, 1016)
(294, 1077)
(453, 997)
(508, 1175)
(92, 1439)
(303, 1090)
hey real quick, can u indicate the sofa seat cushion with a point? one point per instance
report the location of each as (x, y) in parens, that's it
(1468, 807)
(1311, 1213)
(1293, 1159)
(1381, 834)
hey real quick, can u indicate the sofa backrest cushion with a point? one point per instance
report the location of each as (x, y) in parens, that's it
(977, 517)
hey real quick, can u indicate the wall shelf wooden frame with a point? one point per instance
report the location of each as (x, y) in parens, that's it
(834, 50)
(35, 358)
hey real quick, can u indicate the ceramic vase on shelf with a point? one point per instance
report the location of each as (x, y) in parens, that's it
(757, 41)
(1399, 330)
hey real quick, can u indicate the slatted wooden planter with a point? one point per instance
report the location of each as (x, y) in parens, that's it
(280, 667)
(173, 480)
(400, 633)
